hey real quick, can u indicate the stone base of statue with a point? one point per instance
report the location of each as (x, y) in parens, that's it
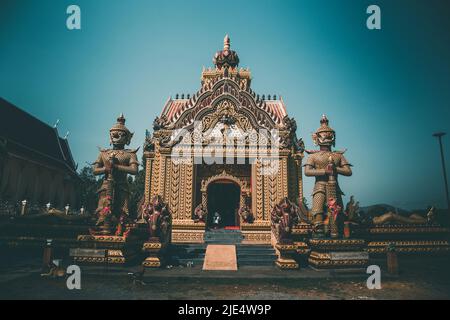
(109, 249)
(408, 239)
(287, 253)
(338, 254)
(301, 231)
(300, 235)
(257, 232)
(156, 253)
(303, 251)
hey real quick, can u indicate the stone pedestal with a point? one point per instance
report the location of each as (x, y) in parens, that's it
(338, 254)
(156, 254)
(408, 239)
(109, 249)
(286, 256)
(103, 249)
(257, 232)
(187, 231)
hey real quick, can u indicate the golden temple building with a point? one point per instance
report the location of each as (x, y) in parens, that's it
(224, 149)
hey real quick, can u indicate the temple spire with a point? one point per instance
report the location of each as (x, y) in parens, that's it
(226, 58)
(226, 43)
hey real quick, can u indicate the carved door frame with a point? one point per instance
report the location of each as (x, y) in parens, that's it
(244, 188)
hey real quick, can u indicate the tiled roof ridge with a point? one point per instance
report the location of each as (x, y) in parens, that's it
(27, 113)
(173, 112)
(67, 159)
(42, 154)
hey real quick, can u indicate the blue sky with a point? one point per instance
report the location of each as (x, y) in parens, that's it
(385, 91)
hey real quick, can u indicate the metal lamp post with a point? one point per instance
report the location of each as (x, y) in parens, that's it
(439, 135)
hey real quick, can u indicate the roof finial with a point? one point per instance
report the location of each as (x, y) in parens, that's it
(226, 58)
(324, 120)
(121, 119)
(226, 43)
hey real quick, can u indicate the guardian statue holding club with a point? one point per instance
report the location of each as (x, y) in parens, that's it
(326, 165)
(115, 165)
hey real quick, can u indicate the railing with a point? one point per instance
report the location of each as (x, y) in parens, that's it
(20, 208)
(9, 208)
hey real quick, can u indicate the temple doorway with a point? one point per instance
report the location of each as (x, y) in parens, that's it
(223, 198)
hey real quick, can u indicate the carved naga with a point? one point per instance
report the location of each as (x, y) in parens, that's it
(159, 219)
(284, 216)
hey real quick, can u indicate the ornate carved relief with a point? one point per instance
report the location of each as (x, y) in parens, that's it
(257, 190)
(148, 175)
(270, 194)
(167, 176)
(226, 108)
(232, 90)
(189, 182)
(174, 194)
(243, 185)
(154, 187)
(224, 176)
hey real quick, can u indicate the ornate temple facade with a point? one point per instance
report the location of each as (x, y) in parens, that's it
(224, 149)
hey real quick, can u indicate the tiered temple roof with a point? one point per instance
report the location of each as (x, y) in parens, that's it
(29, 137)
(226, 68)
(175, 107)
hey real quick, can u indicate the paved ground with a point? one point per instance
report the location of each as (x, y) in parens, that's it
(425, 279)
(34, 287)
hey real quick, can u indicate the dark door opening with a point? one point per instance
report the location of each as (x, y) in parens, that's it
(223, 197)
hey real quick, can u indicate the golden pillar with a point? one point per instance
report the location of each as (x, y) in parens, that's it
(149, 159)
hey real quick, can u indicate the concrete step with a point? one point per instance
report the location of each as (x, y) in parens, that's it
(248, 250)
(195, 262)
(222, 231)
(182, 254)
(223, 237)
(255, 255)
(223, 241)
(189, 246)
(254, 247)
(255, 263)
(247, 255)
